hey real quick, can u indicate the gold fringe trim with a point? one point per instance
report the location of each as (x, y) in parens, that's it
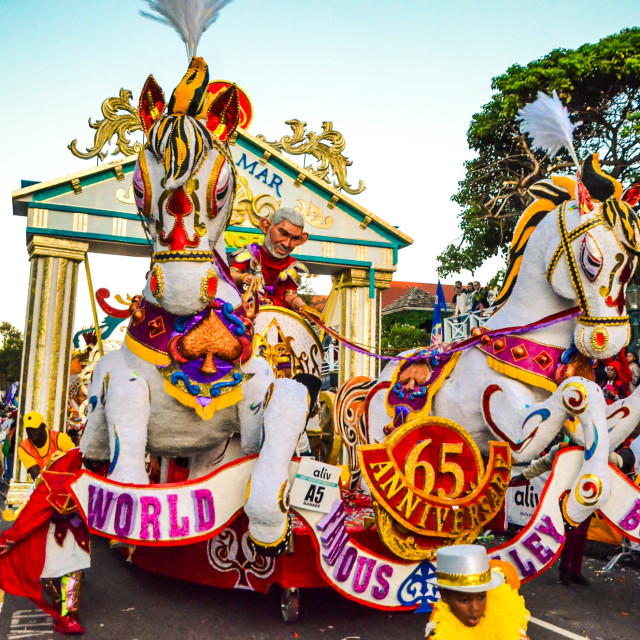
(516, 373)
(144, 352)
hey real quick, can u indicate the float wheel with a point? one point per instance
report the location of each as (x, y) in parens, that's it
(290, 604)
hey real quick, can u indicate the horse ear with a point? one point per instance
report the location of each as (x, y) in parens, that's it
(151, 105)
(223, 116)
(599, 185)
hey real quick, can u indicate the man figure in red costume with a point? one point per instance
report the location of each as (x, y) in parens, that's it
(269, 272)
(48, 547)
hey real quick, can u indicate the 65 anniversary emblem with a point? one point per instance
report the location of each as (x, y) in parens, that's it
(430, 487)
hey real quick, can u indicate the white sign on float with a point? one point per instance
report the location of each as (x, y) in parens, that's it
(316, 486)
(178, 513)
(522, 501)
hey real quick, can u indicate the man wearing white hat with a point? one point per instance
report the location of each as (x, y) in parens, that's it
(478, 601)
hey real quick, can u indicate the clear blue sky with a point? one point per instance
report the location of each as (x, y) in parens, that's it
(400, 80)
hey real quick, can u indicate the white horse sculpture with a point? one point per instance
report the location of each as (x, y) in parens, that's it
(184, 382)
(569, 268)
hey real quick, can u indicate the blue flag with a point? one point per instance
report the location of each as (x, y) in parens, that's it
(439, 309)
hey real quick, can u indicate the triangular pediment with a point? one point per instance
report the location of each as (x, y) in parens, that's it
(97, 206)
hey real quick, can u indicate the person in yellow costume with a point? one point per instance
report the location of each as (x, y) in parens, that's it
(37, 449)
(479, 599)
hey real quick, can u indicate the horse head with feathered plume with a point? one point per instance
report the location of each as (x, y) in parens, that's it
(184, 181)
(527, 375)
(599, 239)
(185, 383)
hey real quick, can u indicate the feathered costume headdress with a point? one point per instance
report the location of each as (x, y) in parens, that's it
(547, 122)
(190, 18)
(182, 138)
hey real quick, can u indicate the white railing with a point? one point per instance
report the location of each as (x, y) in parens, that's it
(460, 327)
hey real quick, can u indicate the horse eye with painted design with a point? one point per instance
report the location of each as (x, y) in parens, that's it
(590, 257)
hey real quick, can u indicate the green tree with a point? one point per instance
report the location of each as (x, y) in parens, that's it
(10, 354)
(600, 84)
(405, 330)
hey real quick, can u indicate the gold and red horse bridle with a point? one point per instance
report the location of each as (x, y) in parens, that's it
(566, 238)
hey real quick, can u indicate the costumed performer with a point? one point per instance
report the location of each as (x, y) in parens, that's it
(268, 271)
(37, 449)
(48, 546)
(76, 402)
(479, 599)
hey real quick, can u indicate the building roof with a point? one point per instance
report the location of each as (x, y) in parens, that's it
(415, 299)
(399, 288)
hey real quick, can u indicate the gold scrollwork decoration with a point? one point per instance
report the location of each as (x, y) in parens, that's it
(125, 196)
(114, 123)
(326, 147)
(313, 215)
(246, 206)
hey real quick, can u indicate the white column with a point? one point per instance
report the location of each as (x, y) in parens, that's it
(48, 336)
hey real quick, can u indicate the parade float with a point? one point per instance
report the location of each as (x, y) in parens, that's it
(220, 390)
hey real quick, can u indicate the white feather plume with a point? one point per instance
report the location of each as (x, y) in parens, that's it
(190, 18)
(547, 121)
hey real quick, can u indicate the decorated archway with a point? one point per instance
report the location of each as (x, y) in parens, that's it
(94, 211)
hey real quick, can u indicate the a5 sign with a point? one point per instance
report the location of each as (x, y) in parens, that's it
(429, 478)
(316, 486)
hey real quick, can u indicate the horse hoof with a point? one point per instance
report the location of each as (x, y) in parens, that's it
(99, 467)
(272, 549)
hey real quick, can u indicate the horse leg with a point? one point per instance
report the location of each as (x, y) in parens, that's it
(255, 391)
(538, 423)
(127, 408)
(94, 444)
(267, 506)
(255, 396)
(592, 485)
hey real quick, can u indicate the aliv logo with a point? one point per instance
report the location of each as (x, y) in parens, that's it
(527, 497)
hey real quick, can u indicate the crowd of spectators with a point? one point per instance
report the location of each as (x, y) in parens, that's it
(474, 298)
(8, 420)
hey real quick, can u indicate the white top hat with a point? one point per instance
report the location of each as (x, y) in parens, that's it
(465, 567)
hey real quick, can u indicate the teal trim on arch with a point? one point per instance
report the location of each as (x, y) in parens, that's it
(87, 236)
(321, 238)
(337, 262)
(368, 243)
(85, 181)
(107, 213)
(233, 227)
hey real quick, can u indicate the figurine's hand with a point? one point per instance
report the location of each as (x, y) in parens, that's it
(247, 279)
(6, 547)
(310, 311)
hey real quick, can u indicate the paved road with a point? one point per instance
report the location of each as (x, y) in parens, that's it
(122, 602)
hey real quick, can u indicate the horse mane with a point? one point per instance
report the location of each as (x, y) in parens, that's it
(548, 194)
